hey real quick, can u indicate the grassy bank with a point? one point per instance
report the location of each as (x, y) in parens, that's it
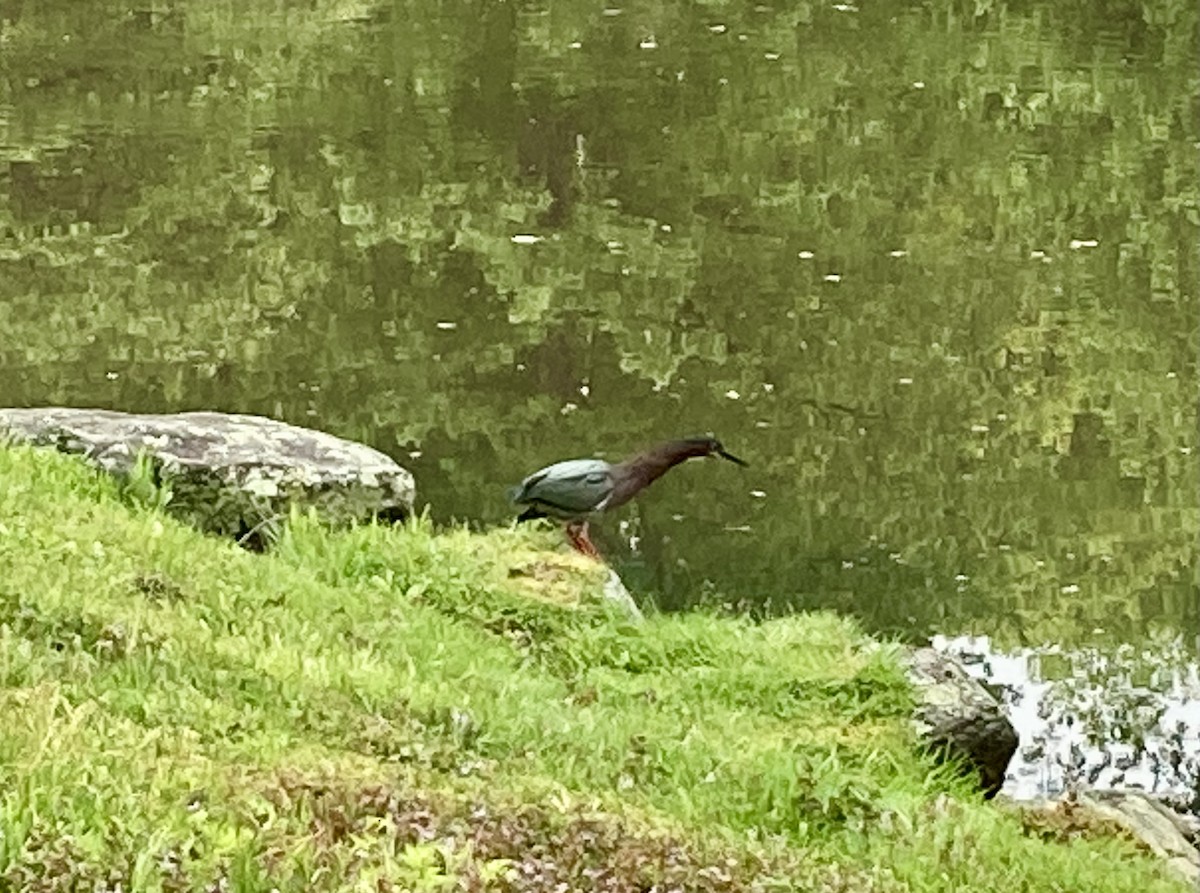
(407, 709)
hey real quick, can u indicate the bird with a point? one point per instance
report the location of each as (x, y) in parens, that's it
(577, 489)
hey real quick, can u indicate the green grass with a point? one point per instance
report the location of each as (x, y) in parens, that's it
(412, 709)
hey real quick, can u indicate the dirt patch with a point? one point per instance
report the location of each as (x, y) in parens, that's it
(545, 850)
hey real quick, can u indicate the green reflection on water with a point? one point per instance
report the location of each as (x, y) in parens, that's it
(931, 269)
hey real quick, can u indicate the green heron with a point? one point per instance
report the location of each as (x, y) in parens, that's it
(576, 489)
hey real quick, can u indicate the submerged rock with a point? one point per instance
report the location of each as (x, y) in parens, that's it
(956, 714)
(232, 475)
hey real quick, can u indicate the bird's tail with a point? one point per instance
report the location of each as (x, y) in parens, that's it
(530, 514)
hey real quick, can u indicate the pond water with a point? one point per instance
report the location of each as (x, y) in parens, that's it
(1124, 717)
(930, 267)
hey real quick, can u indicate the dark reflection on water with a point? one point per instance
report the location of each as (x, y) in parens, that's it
(930, 269)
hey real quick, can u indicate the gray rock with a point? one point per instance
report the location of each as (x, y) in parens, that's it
(1159, 828)
(955, 714)
(615, 592)
(231, 475)
(1168, 834)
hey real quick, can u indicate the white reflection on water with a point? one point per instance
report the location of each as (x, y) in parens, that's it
(1120, 718)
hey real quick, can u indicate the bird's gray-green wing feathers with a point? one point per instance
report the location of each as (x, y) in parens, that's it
(567, 489)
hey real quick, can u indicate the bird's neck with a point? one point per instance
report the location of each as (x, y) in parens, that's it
(639, 471)
(666, 456)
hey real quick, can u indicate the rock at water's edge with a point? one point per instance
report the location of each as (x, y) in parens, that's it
(1172, 836)
(228, 474)
(956, 714)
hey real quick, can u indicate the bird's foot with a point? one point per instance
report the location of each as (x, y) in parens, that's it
(577, 533)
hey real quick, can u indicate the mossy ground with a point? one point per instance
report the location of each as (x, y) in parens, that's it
(390, 709)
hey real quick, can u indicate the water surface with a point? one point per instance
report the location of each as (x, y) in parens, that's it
(930, 267)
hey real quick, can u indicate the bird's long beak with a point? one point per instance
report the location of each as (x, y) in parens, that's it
(732, 458)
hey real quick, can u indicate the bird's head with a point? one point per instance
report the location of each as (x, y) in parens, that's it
(710, 446)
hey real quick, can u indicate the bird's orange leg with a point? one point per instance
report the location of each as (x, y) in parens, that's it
(577, 533)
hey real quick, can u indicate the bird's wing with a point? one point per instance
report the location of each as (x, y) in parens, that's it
(574, 487)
